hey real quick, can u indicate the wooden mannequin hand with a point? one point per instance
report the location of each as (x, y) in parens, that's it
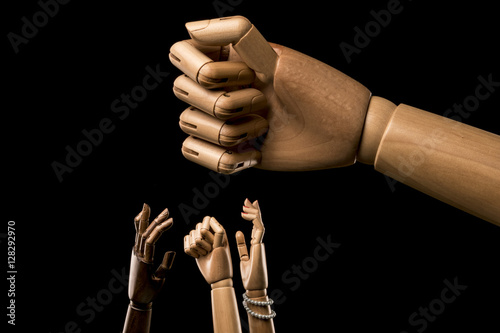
(208, 244)
(145, 284)
(253, 266)
(318, 118)
(313, 114)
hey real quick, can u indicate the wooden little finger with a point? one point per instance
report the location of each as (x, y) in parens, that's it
(217, 158)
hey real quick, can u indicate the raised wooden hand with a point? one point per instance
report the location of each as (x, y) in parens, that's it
(145, 283)
(208, 244)
(241, 87)
(253, 267)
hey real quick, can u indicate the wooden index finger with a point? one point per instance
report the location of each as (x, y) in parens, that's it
(219, 232)
(144, 220)
(137, 233)
(141, 227)
(187, 247)
(205, 230)
(136, 221)
(200, 241)
(246, 39)
(206, 72)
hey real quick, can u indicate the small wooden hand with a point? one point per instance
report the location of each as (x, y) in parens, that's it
(253, 267)
(145, 283)
(208, 244)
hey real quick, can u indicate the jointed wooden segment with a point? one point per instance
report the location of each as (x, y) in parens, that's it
(205, 71)
(316, 115)
(219, 103)
(448, 160)
(319, 118)
(145, 284)
(257, 54)
(378, 116)
(214, 262)
(225, 310)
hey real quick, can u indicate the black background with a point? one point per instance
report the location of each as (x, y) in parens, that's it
(397, 245)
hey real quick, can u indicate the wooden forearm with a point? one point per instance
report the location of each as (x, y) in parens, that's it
(224, 308)
(448, 160)
(138, 320)
(258, 325)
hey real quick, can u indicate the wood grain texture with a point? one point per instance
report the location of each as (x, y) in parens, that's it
(448, 160)
(137, 320)
(316, 115)
(225, 310)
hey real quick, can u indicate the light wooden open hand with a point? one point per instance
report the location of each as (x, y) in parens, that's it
(253, 265)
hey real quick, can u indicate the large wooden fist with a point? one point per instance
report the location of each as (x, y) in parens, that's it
(259, 104)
